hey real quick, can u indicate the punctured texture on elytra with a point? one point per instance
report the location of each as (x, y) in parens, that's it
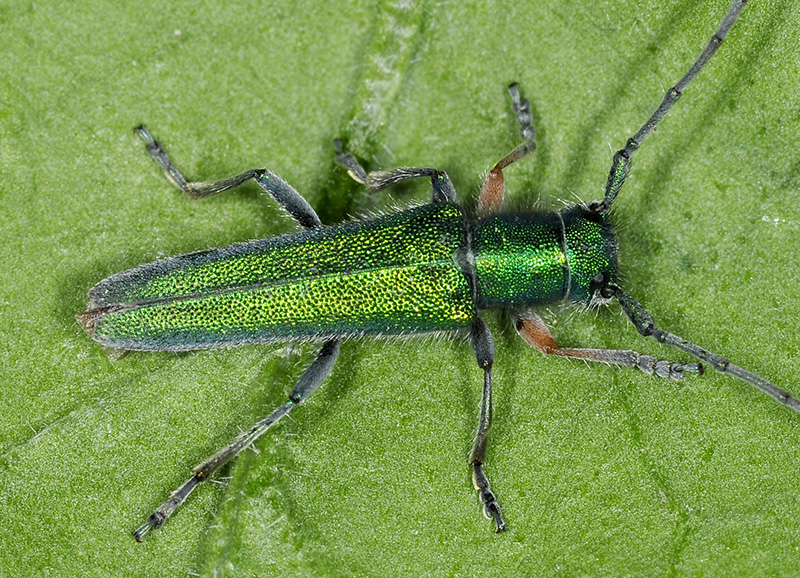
(394, 274)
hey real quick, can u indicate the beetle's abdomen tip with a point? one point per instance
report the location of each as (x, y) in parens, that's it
(89, 318)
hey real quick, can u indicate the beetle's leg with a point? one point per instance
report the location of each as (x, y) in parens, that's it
(621, 163)
(493, 189)
(443, 189)
(288, 198)
(647, 327)
(483, 343)
(308, 383)
(536, 334)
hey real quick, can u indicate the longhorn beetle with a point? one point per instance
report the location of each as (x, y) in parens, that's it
(428, 268)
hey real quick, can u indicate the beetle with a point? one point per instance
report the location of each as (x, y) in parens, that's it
(425, 269)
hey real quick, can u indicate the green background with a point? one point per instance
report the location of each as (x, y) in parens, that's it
(600, 471)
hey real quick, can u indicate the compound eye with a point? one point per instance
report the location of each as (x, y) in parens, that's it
(594, 206)
(598, 282)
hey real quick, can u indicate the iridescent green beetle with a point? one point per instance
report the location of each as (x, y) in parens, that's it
(425, 269)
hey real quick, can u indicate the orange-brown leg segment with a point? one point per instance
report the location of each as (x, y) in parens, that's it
(493, 189)
(536, 334)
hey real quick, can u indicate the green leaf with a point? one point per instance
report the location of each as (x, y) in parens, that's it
(599, 471)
